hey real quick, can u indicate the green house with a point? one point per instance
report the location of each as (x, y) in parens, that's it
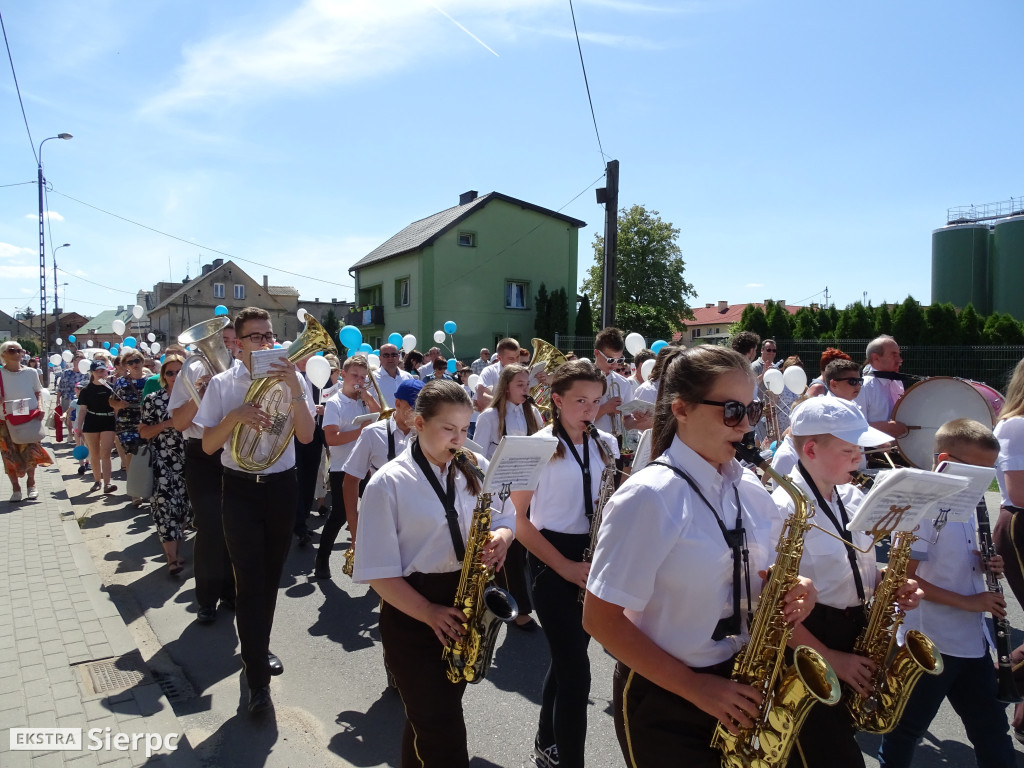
(479, 264)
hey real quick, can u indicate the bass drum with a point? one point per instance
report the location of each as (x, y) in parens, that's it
(929, 404)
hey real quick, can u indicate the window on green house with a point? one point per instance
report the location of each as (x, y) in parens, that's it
(467, 239)
(516, 292)
(402, 292)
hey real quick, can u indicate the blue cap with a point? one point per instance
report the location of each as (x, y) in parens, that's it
(95, 365)
(409, 390)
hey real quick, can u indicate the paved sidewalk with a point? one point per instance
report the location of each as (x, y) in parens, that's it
(67, 660)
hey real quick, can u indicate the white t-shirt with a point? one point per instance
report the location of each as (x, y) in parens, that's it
(558, 503)
(180, 396)
(402, 526)
(786, 457)
(487, 435)
(1010, 433)
(490, 375)
(648, 392)
(20, 390)
(389, 384)
(370, 451)
(225, 392)
(339, 412)
(877, 397)
(949, 563)
(662, 557)
(825, 561)
(625, 392)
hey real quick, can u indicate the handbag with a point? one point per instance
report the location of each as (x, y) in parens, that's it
(26, 428)
(140, 474)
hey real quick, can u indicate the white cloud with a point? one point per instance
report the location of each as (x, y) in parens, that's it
(754, 285)
(48, 215)
(677, 6)
(10, 272)
(608, 39)
(8, 251)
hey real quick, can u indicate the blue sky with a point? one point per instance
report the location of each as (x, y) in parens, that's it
(797, 145)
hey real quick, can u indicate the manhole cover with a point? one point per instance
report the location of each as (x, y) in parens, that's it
(116, 674)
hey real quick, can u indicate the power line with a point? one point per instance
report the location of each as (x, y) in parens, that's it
(585, 81)
(16, 184)
(10, 58)
(98, 285)
(200, 245)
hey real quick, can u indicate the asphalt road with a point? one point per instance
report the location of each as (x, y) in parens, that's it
(331, 705)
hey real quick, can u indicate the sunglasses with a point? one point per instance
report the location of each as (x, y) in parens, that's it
(171, 373)
(389, 354)
(612, 360)
(133, 362)
(768, 349)
(733, 411)
(853, 382)
(15, 351)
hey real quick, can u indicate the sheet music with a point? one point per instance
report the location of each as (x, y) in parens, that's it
(262, 358)
(960, 508)
(901, 498)
(637, 407)
(518, 462)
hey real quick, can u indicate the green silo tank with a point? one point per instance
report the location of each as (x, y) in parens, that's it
(960, 266)
(1006, 266)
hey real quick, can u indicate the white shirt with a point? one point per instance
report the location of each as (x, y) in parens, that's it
(490, 375)
(648, 392)
(877, 397)
(402, 527)
(487, 435)
(1010, 433)
(625, 392)
(949, 563)
(370, 451)
(786, 457)
(180, 396)
(225, 392)
(388, 385)
(825, 561)
(558, 503)
(339, 412)
(20, 387)
(662, 557)
(426, 371)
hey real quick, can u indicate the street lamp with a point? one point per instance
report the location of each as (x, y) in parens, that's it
(56, 294)
(42, 250)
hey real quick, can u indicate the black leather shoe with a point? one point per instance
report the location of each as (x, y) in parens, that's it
(206, 615)
(276, 667)
(304, 539)
(321, 569)
(259, 700)
(227, 603)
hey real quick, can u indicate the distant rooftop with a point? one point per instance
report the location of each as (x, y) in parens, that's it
(967, 214)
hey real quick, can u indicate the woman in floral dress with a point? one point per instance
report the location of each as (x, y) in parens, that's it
(127, 402)
(167, 446)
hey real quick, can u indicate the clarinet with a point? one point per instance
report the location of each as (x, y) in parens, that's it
(1007, 693)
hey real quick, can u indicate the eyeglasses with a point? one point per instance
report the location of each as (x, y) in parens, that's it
(733, 411)
(133, 362)
(767, 349)
(258, 338)
(171, 373)
(16, 351)
(389, 354)
(855, 381)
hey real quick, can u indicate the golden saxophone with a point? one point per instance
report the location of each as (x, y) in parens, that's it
(787, 692)
(604, 493)
(485, 604)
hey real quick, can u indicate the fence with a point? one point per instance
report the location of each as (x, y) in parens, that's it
(991, 364)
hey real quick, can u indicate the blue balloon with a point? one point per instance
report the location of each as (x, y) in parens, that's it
(320, 353)
(72, 339)
(450, 327)
(659, 345)
(80, 452)
(129, 341)
(115, 349)
(349, 352)
(396, 339)
(162, 359)
(376, 352)
(365, 348)
(106, 345)
(220, 310)
(350, 336)
(279, 346)
(452, 365)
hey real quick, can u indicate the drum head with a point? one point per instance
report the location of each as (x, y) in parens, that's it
(928, 405)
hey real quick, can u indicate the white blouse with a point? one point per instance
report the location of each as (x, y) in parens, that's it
(1010, 433)
(370, 451)
(339, 411)
(487, 435)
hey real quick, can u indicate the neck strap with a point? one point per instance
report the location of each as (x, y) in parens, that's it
(445, 496)
(588, 491)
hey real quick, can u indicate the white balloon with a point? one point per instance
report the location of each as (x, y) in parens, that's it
(301, 314)
(59, 341)
(474, 379)
(155, 347)
(137, 311)
(118, 326)
(144, 346)
(44, 397)
(646, 368)
(795, 379)
(151, 337)
(438, 336)
(374, 361)
(408, 343)
(55, 358)
(319, 371)
(286, 344)
(67, 355)
(773, 381)
(634, 343)
(83, 366)
(88, 342)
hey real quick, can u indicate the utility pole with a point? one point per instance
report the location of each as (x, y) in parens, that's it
(608, 195)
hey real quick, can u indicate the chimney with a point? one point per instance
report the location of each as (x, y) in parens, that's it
(467, 197)
(207, 268)
(218, 263)
(781, 303)
(723, 307)
(814, 307)
(120, 308)
(265, 286)
(316, 300)
(334, 300)
(708, 306)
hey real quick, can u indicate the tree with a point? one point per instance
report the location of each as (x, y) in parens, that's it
(30, 346)
(943, 326)
(805, 324)
(1001, 328)
(649, 274)
(753, 319)
(779, 323)
(970, 326)
(542, 322)
(584, 318)
(855, 323)
(559, 320)
(331, 323)
(908, 323)
(828, 319)
(883, 320)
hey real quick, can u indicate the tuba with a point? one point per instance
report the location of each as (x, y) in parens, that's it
(546, 353)
(211, 357)
(256, 449)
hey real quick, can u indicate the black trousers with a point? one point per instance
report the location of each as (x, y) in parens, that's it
(657, 728)
(1008, 538)
(826, 737)
(215, 579)
(512, 577)
(435, 730)
(563, 709)
(257, 528)
(307, 470)
(335, 521)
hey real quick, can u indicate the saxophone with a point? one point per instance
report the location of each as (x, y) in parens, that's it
(486, 605)
(787, 692)
(898, 668)
(607, 488)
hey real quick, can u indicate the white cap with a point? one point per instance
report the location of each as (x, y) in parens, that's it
(837, 417)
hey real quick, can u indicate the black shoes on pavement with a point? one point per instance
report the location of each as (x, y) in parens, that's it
(206, 615)
(259, 700)
(276, 667)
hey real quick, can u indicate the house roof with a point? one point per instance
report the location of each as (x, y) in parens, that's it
(282, 290)
(272, 290)
(732, 313)
(422, 233)
(103, 322)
